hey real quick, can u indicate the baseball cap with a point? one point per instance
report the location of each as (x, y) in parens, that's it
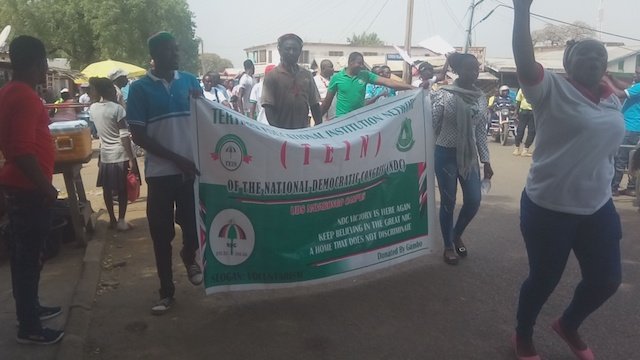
(116, 73)
(65, 90)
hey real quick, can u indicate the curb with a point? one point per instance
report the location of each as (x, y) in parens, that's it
(79, 314)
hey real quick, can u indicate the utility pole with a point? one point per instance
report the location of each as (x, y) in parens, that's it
(600, 18)
(406, 72)
(472, 9)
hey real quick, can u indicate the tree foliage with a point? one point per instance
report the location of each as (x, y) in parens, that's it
(85, 31)
(214, 63)
(558, 35)
(365, 39)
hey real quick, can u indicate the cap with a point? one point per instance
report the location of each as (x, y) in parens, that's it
(65, 90)
(504, 87)
(116, 73)
(425, 66)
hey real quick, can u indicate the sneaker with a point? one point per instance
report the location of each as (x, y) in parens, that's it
(123, 225)
(526, 152)
(45, 336)
(162, 306)
(516, 152)
(195, 274)
(46, 313)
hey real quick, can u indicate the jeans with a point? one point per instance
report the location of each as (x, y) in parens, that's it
(171, 199)
(622, 161)
(29, 227)
(446, 169)
(526, 120)
(549, 237)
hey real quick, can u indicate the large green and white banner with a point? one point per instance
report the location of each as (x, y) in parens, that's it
(284, 207)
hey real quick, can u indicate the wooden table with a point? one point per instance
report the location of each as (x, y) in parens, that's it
(79, 206)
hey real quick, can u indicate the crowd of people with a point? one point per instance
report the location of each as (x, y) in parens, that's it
(566, 204)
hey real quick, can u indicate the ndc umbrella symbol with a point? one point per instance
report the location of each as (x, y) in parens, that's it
(232, 232)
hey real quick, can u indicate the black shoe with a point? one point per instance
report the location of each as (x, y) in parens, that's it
(46, 313)
(461, 250)
(615, 192)
(450, 257)
(44, 336)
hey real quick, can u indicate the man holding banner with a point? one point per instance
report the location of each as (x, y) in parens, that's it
(159, 116)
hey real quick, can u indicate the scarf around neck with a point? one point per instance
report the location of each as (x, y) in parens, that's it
(466, 150)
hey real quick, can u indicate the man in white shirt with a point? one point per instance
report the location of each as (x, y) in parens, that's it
(211, 91)
(322, 83)
(255, 99)
(246, 84)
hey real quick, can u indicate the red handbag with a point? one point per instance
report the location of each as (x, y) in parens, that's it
(133, 187)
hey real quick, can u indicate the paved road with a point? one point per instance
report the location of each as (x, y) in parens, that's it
(423, 309)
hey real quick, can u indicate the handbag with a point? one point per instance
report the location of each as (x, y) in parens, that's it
(133, 187)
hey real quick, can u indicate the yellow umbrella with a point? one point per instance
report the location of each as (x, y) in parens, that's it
(103, 68)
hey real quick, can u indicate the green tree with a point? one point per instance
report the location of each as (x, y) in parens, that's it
(365, 39)
(85, 31)
(213, 62)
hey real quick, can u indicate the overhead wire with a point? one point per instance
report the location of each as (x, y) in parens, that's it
(376, 17)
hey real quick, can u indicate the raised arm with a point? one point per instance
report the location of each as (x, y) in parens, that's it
(522, 44)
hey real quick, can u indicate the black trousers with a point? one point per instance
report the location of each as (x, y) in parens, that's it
(170, 201)
(526, 120)
(29, 227)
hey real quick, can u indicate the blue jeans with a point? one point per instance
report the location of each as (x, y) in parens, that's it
(446, 168)
(622, 161)
(29, 226)
(549, 237)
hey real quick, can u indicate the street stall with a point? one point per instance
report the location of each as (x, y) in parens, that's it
(72, 142)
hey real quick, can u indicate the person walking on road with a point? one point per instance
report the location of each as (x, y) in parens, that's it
(350, 84)
(25, 182)
(116, 151)
(526, 121)
(460, 119)
(566, 204)
(158, 112)
(631, 111)
(289, 92)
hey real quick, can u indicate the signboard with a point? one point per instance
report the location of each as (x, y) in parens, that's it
(283, 207)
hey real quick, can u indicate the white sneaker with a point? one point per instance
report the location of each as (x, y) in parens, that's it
(526, 152)
(516, 152)
(162, 306)
(123, 225)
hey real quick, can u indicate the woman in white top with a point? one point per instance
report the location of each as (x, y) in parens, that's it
(566, 205)
(116, 153)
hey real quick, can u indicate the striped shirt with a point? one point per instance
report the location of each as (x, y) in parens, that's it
(162, 108)
(445, 124)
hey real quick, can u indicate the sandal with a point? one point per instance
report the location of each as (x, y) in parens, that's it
(461, 250)
(450, 257)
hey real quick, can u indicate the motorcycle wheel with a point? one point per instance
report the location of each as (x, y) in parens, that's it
(504, 134)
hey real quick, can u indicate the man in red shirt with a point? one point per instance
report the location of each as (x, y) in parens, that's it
(25, 181)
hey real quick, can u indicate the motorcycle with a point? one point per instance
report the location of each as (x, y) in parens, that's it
(503, 123)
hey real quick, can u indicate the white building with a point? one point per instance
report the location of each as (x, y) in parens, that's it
(313, 53)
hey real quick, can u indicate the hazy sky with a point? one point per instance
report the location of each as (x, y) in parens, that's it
(230, 26)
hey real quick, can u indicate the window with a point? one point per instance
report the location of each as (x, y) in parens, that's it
(621, 66)
(369, 54)
(638, 61)
(336, 53)
(270, 56)
(262, 58)
(255, 56)
(304, 57)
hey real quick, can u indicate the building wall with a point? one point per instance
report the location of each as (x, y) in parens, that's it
(337, 53)
(627, 65)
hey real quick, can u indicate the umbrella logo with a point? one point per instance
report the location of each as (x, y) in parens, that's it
(232, 237)
(232, 152)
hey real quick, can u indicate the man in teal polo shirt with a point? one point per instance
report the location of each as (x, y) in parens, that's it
(158, 114)
(350, 86)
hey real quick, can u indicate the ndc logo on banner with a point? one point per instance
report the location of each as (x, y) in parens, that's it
(232, 237)
(405, 139)
(232, 152)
